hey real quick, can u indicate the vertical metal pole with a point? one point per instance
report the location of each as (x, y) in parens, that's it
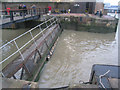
(41, 30)
(43, 36)
(11, 16)
(39, 11)
(56, 20)
(5, 8)
(22, 73)
(39, 53)
(2, 74)
(27, 70)
(51, 25)
(23, 13)
(46, 22)
(14, 77)
(44, 39)
(33, 39)
(50, 21)
(31, 11)
(19, 50)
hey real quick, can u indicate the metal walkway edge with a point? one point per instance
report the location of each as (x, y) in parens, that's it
(31, 53)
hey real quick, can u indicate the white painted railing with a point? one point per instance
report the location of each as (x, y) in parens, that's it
(54, 19)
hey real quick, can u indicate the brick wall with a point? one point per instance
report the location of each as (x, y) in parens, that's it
(98, 6)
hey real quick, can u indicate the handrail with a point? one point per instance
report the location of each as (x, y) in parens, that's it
(20, 9)
(14, 40)
(24, 13)
(26, 33)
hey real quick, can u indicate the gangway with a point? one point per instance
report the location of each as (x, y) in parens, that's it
(28, 58)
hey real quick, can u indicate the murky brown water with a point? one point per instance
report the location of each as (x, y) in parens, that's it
(74, 56)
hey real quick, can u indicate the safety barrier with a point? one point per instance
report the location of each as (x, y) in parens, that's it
(14, 14)
(31, 56)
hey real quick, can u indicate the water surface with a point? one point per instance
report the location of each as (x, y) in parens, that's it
(74, 56)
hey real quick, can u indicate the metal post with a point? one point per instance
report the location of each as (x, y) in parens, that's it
(41, 30)
(22, 73)
(56, 20)
(44, 39)
(35, 54)
(14, 77)
(39, 53)
(31, 12)
(19, 50)
(2, 74)
(46, 22)
(39, 11)
(26, 69)
(11, 16)
(33, 39)
(23, 13)
(50, 24)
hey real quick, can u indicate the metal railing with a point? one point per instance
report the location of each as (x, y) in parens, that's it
(23, 13)
(52, 21)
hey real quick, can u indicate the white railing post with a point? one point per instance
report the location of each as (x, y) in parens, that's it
(56, 20)
(2, 74)
(33, 39)
(46, 22)
(41, 31)
(18, 50)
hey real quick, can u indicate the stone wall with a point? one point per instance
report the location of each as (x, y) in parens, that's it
(89, 24)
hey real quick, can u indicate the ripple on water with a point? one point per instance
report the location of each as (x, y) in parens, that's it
(74, 56)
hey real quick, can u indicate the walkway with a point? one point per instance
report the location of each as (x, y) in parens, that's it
(32, 52)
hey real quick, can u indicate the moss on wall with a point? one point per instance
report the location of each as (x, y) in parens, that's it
(89, 24)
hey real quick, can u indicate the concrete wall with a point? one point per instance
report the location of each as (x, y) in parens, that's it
(89, 24)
